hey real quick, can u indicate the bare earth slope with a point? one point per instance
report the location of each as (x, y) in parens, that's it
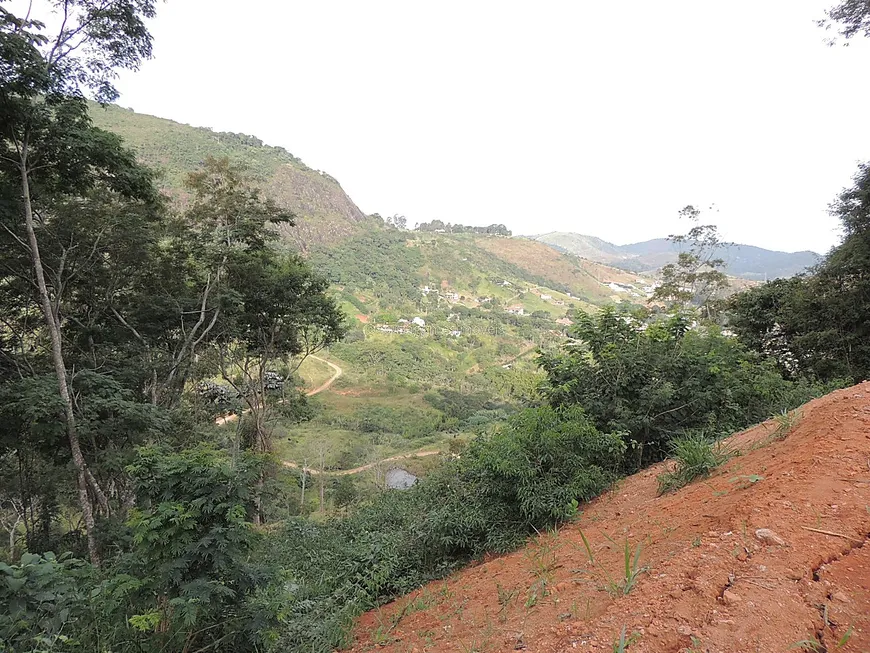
(712, 584)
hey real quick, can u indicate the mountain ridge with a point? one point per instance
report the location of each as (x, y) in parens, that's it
(741, 260)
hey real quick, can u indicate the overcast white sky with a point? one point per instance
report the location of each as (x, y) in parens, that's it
(603, 118)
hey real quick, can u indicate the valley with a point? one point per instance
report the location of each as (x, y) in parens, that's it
(241, 415)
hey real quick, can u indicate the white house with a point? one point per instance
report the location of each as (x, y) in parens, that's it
(419, 321)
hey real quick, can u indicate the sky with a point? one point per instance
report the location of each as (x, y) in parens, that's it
(602, 118)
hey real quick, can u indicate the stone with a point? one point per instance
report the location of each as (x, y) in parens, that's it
(841, 597)
(769, 537)
(731, 597)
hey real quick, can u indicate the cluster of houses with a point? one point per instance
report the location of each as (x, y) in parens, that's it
(448, 295)
(413, 326)
(644, 287)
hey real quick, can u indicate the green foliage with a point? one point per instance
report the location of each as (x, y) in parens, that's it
(630, 568)
(409, 422)
(543, 459)
(696, 277)
(377, 261)
(185, 583)
(785, 423)
(40, 595)
(656, 380)
(192, 540)
(696, 457)
(403, 360)
(623, 642)
(850, 17)
(524, 477)
(815, 325)
(439, 226)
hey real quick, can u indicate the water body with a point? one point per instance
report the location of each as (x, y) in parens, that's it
(399, 479)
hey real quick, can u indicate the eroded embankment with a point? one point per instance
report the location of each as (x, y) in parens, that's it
(712, 584)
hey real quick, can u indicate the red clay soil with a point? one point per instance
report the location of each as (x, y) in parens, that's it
(712, 584)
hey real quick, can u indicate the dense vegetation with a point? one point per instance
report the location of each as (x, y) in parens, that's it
(137, 524)
(440, 226)
(816, 324)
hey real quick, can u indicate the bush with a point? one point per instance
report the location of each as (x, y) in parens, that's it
(695, 457)
(654, 378)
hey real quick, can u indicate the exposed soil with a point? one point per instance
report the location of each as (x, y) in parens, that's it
(711, 583)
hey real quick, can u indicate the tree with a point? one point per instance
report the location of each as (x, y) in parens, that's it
(193, 542)
(850, 17)
(816, 324)
(397, 221)
(49, 147)
(696, 277)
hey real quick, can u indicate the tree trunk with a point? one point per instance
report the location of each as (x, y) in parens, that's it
(302, 498)
(321, 477)
(53, 324)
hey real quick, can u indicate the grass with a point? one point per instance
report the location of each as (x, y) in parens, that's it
(505, 598)
(695, 458)
(785, 423)
(544, 564)
(631, 570)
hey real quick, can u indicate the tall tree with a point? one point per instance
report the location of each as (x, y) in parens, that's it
(49, 146)
(696, 277)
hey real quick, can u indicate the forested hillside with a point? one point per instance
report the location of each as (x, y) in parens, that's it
(325, 214)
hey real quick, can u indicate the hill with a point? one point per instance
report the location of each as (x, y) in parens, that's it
(325, 213)
(745, 261)
(712, 579)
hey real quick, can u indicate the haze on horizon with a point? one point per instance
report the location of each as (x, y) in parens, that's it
(600, 119)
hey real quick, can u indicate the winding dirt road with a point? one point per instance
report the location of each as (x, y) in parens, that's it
(337, 372)
(362, 468)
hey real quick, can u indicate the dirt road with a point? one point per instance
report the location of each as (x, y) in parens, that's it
(337, 372)
(362, 468)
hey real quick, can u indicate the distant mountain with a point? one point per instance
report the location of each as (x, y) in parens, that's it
(745, 261)
(325, 213)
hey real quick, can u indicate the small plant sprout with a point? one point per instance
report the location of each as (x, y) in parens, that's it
(817, 646)
(630, 572)
(505, 598)
(746, 480)
(623, 642)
